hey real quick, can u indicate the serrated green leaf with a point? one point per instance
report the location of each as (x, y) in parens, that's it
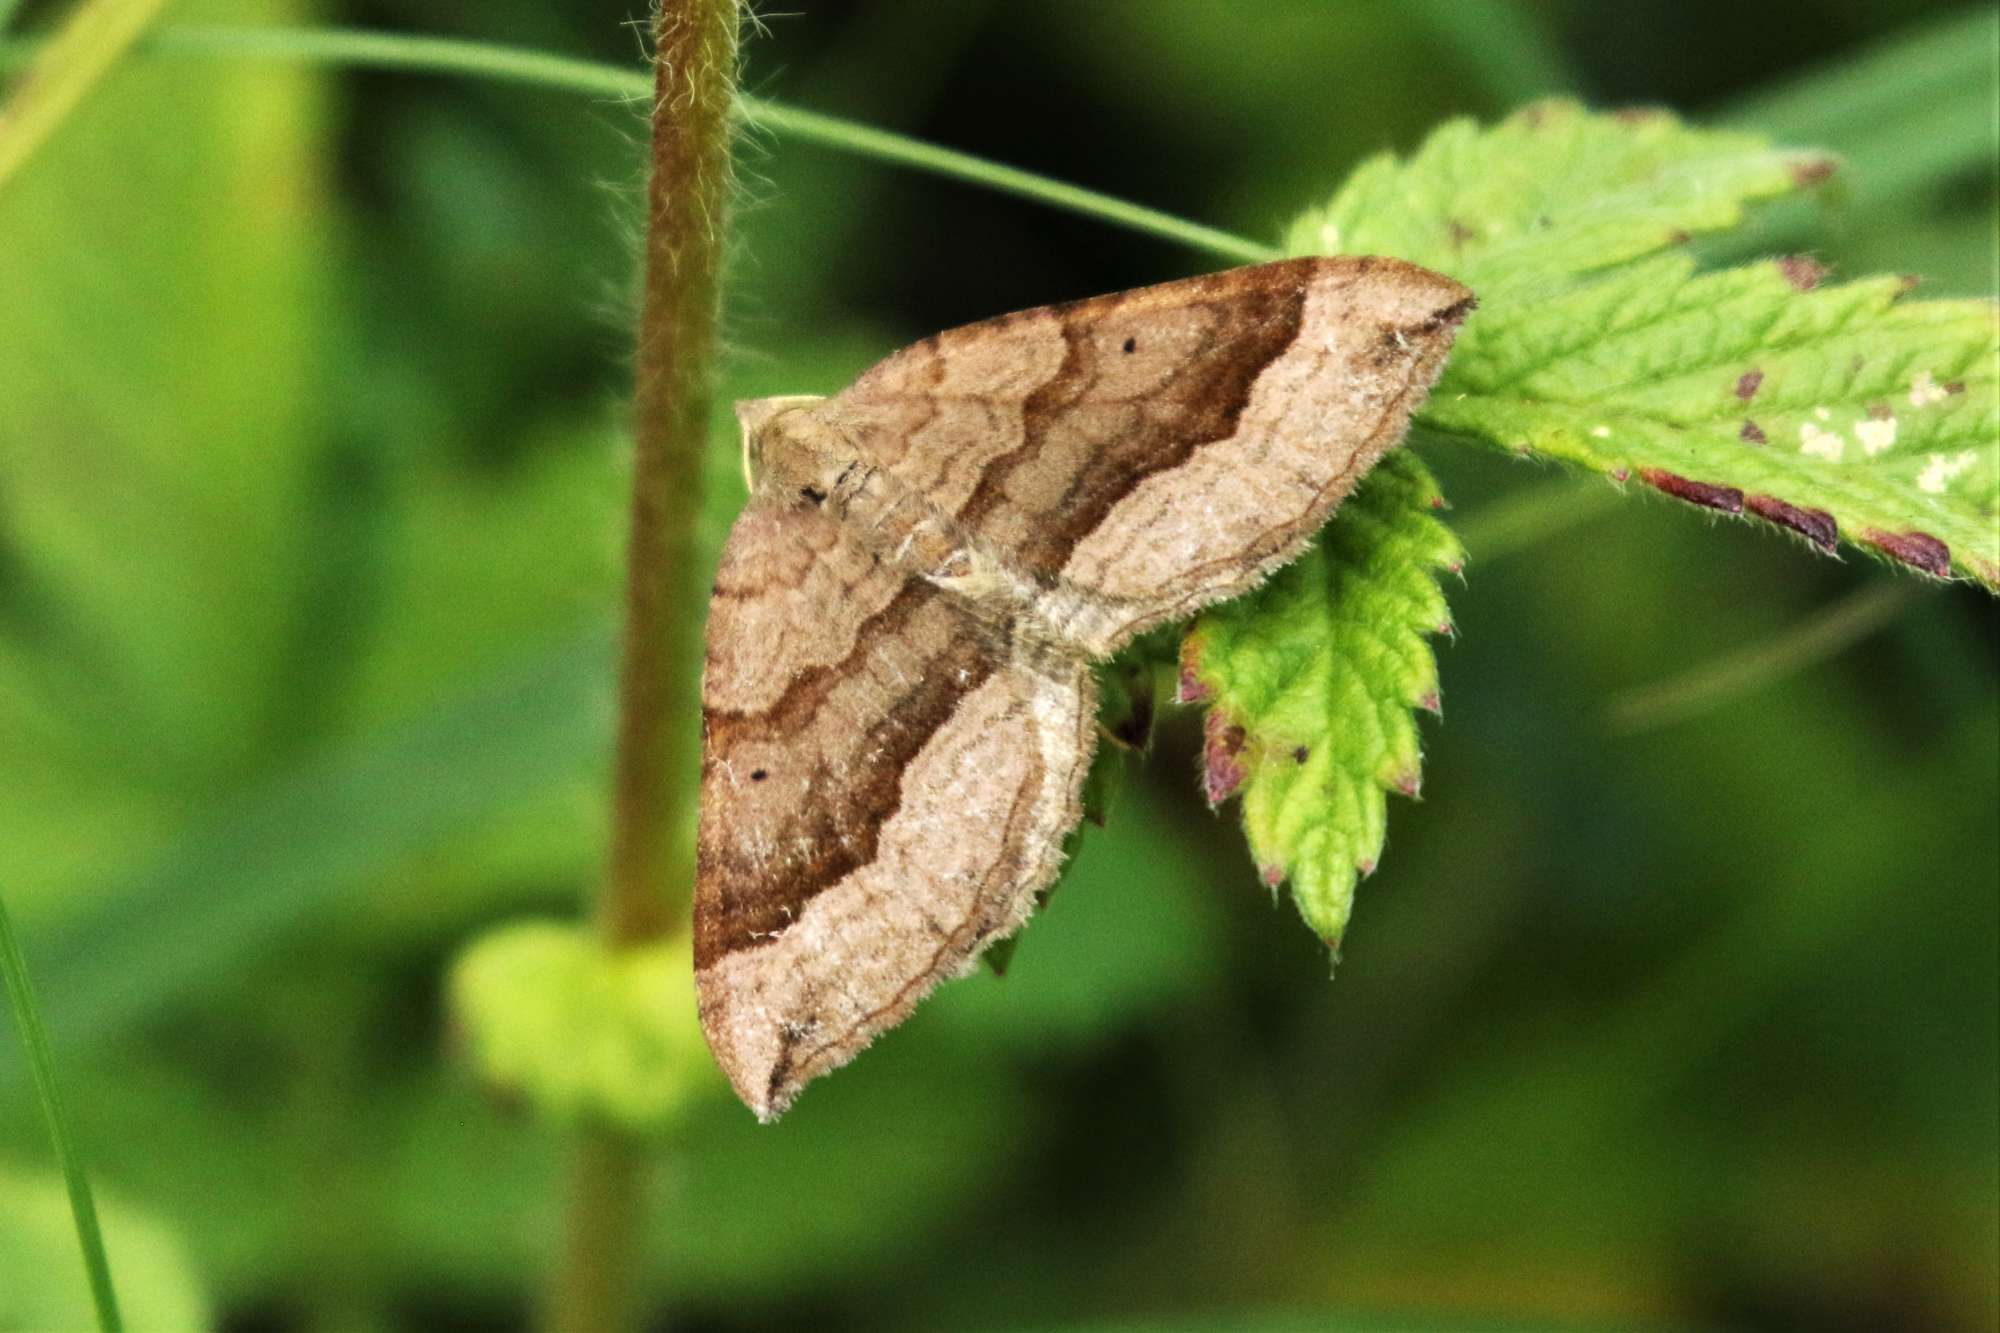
(1833, 411)
(550, 1015)
(1311, 681)
(1836, 411)
(1552, 192)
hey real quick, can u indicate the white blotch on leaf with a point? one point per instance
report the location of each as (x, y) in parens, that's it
(1820, 443)
(1940, 469)
(1600, 432)
(1822, 414)
(1875, 436)
(1925, 390)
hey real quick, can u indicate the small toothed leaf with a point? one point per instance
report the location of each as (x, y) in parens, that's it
(1310, 683)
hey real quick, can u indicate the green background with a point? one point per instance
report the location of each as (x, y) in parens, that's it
(310, 518)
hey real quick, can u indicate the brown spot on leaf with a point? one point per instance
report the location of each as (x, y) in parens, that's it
(1678, 236)
(1638, 115)
(1747, 382)
(1918, 550)
(1366, 865)
(1804, 274)
(1956, 386)
(1410, 783)
(1300, 755)
(1460, 234)
(1727, 499)
(1223, 772)
(1880, 411)
(1621, 475)
(1907, 283)
(1190, 688)
(1812, 171)
(1752, 432)
(1815, 525)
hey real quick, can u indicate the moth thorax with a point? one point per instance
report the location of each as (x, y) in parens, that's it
(761, 419)
(797, 453)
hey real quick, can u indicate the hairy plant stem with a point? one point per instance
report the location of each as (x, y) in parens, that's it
(652, 851)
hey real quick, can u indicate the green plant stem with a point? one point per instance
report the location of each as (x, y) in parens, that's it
(41, 1063)
(1710, 685)
(866, 141)
(1534, 514)
(659, 704)
(596, 1287)
(413, 53)
(486, 60)
(89, 43)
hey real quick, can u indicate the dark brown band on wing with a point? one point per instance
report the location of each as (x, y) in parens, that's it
(1198, 405)
(751, 893)
(808, 1051)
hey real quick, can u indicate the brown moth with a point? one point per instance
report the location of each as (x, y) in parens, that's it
(898, 707)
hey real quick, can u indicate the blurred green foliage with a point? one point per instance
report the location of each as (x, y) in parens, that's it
(310, 509)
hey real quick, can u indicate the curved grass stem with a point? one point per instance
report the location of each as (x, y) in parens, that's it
(486, 60)
(42, 1065)
(1710, 685)
(92, 40)
(884, 146)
